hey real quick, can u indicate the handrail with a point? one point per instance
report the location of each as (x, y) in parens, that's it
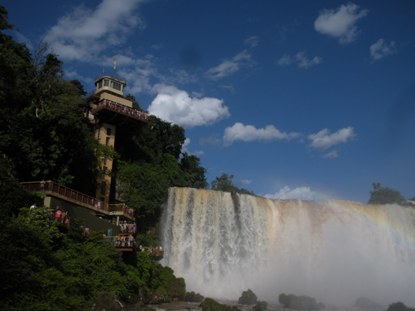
(122, 241)
(52, 187)
(121, 207)
(122, 109)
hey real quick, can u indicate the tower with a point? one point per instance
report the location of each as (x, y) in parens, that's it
(109, 111)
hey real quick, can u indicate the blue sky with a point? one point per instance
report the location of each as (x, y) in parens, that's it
(306, 99)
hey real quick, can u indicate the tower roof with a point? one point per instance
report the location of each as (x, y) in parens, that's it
(110, 84)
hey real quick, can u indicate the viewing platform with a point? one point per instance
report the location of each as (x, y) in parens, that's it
(112, 106)
(50, 188)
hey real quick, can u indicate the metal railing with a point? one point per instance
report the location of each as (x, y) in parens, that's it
(76, 196)
(121, 207)
(121, 109)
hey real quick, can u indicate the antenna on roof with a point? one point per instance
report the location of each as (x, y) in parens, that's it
(114, 66)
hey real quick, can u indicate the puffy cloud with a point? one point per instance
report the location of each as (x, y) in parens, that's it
(246, 133)
(300, 59)
(301, 193)
(381, 49)
(176, 106)
(229, 66)
(324, 139)
(340, 23)
(83, 33)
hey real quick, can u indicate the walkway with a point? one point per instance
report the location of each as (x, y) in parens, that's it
(51, 188)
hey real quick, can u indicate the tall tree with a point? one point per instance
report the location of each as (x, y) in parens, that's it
(225, 183)
(385, 195)
(193, 171)
(41, 118)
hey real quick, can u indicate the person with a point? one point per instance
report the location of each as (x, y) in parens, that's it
(58, 214)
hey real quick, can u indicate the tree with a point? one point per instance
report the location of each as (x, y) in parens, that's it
(153, 140)
(194, 172)
(385, 195)
(144, 186)
(248, 297)
(225, 183)
(134, 100)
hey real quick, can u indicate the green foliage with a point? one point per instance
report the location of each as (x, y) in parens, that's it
(225, 183)
(159, 283)
(153, 141)
(144, 187)
(385, 195)
(194, 173)
(193, 297)
(42, 128)
(399, 306)
(134, 100)
(44, 135)
(211, 305)
(4, 24)
(44, 269)
(248, 297)
(12, 196)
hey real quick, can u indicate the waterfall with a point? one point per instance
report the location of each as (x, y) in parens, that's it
(335, 251)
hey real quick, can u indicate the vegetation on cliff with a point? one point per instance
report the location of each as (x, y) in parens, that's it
(45, 135)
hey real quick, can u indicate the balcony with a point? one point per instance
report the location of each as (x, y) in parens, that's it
(109, 105)
(53, 189)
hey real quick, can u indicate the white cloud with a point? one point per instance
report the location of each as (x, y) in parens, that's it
(176, 106)
(324, 139)
(137, 72)
(84, 33)
(300, 59)
(300, 193)
(246, 133)
(331, 155)
(340, 23)
(229, 66)
(185, 145)
(381, 49)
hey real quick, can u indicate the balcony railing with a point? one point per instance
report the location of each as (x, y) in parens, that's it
(53, 188)
(121, 109)
(121, 207)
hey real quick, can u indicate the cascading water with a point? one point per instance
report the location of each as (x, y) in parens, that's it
(335, 251)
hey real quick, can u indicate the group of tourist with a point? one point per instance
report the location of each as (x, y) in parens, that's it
(123, 241)
(62, 217)
(127, 227)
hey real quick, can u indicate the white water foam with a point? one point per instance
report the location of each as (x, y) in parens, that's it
(334, 251)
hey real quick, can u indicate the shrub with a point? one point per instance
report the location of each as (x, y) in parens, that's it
(211, 305)
(248, 298)
(193, 297)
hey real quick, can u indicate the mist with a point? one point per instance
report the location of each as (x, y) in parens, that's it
(334, 251)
